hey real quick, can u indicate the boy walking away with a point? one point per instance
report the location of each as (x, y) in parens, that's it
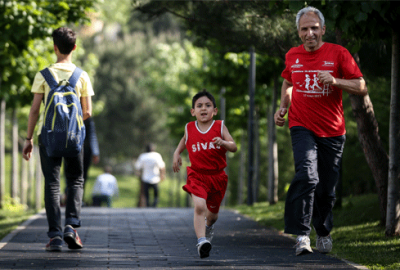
(63, 72)
(207, 141)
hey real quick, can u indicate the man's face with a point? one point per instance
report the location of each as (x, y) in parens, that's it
(311, 31)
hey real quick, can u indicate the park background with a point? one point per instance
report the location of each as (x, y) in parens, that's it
(146, 59)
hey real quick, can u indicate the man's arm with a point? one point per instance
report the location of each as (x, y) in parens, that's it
(86, 103)
(351, 86)
(286, 97)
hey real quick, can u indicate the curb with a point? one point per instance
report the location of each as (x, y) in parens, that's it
(21, 227)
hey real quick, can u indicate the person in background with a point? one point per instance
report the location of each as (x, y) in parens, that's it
(91, 151)
(105, 188)
(91, 154)
(151, 170)
(317, 127)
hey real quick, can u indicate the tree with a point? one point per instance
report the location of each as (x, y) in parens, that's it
(235, 26)
(21, 23)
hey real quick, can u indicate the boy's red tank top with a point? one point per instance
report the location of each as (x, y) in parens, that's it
(205, 157)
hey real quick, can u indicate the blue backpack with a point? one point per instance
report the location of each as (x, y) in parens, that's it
(63, 131)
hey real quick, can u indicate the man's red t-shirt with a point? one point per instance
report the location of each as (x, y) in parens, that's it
(205, 157)
(315, 106)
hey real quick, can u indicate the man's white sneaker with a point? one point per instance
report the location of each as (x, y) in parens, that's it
(210, 233)
(203, 248)
(303, 245)
(324, 244)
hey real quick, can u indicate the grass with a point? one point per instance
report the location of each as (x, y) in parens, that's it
(12, 215)
(357, 235)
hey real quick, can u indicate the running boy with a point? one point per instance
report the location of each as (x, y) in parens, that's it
(207, 141)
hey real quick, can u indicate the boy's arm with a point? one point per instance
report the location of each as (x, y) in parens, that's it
(177, 161)
(226, 141)
(86, 103)
(32, 120)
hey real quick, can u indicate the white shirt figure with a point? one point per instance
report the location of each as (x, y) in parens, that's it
(151, 164)
(106, 184)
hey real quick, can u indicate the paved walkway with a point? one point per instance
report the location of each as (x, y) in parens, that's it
(158, 239)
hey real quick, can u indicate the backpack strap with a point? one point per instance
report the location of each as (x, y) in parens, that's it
(49, 78)
(75, 77)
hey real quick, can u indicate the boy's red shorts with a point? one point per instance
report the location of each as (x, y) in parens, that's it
(211, 187)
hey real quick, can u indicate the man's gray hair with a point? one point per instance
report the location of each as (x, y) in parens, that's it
(306, 10)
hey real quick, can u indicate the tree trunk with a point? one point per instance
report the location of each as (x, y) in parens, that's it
(2, 149)
(375, 154)
(31, 181)
(393, 204)
(24, 181)
(15, 160)
(241, 169)
(256, 182)
(141, 198)
(273, 149)
(371, 144)
(38, 178)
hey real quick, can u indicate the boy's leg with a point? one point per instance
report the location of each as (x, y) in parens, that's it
(200, 210)
(74, 175)
(51, 171)
(211, 218)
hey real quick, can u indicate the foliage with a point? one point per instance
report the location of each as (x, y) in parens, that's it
(22, 22)
(11, 218)
(356, 234)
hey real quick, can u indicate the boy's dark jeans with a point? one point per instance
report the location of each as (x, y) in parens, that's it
(311, 195)
(74, 175)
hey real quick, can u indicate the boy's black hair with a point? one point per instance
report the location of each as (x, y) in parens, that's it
(203, 93)
(64, 38)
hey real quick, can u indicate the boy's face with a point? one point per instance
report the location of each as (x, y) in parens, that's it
(204, 109)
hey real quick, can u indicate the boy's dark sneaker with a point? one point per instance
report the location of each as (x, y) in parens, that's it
(203, 248)
(71, 237)
(55, 244)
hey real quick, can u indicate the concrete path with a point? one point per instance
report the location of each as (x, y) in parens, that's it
(158, 239)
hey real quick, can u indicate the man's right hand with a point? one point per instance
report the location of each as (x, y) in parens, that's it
(279, 117)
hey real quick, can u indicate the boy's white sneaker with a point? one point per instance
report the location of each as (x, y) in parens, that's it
(324, 244)
(303, 245)
(210, 232)
(203, 248)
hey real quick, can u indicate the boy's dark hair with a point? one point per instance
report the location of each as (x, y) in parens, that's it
(203, 93)
(64, 38)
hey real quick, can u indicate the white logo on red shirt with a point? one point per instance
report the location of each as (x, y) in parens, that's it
(204, 146)
(297, 65)
(313, 86)
(328, 64)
